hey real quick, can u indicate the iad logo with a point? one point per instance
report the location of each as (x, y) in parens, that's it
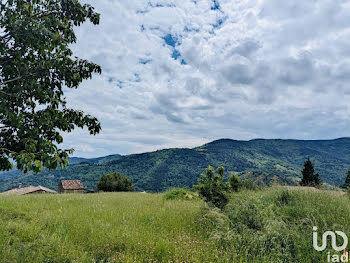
(333, 240)
(333, 258)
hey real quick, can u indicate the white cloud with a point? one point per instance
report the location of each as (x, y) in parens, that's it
(181, 73)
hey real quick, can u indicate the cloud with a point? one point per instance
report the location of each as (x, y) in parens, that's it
(181, 73)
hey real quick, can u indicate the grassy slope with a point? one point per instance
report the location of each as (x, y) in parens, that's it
(161, 170)
(131, 227)
(269, 229)
(123, 227)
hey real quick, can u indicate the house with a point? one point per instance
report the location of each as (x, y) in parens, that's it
(70, 186)
(30, 190)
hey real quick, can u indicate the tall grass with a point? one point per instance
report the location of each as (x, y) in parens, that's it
(276, 225)
(272, 225)
(108, 227)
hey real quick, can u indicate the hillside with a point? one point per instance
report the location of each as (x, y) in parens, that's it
(262, 160)
(270, 225)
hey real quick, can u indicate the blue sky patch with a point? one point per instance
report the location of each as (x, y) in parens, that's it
(145, 61)
(219, 23)
(183, 62)
(170, 40)
(188, 29)
(216, 5)
(175, 54)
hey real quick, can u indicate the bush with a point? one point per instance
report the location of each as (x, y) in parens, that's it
(211, 187)
(347, 180)
(285, 198)
(249, 184)
(180, 194)
(245, 215)
(215, 225)
(234, 183)
(115, 182)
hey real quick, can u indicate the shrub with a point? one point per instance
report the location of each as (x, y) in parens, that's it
(115, 182)
(180, 194)
(245, 215)
(347, 180)
(285, 198)
(212, 188)
(215, 225)
(249, 184)
(234, 183)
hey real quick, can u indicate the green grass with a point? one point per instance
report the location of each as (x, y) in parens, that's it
(108, 227)
(270, 225)
(275, 225)
(181, 194)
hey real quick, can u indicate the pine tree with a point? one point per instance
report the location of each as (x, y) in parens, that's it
(347, 180)
(309, 176)
(212, 188)
(234, 183)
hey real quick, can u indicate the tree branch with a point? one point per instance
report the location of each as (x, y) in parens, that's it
(7, 94)
(3, 83)
(8, 150)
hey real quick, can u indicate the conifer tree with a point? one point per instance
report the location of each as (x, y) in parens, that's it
(347, 180)
(309, 176)
(212, 188)
(234, 183)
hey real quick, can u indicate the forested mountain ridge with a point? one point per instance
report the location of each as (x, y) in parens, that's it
(260, 159)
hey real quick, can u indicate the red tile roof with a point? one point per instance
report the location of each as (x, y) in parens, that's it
(72, 185)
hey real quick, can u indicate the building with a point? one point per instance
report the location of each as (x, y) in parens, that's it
(70, 186)
(30, 190)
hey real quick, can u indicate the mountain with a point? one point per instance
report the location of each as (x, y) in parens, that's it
(259, 159)
(100, 160)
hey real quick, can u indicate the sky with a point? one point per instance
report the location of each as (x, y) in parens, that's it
(183, 73)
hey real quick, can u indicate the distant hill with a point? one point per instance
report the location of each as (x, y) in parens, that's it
(259, 159)
(100, 160)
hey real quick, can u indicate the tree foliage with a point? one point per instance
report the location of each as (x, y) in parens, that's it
(211, 187)
(234, 183)
(115, 182)
(347, 180)
(309, 176)
(36, 65)
(162, 170)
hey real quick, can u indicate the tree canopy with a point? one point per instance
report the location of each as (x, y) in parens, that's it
(309, 176)
(115, 182)
(36, 65)
(347, 180)
(211, 187)
(234, 182)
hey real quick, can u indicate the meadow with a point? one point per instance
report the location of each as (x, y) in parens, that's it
(268, 225)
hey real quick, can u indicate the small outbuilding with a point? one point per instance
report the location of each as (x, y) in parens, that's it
(30, 190)
(70, 186)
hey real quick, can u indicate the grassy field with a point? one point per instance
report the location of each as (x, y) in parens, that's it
(271, 225)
